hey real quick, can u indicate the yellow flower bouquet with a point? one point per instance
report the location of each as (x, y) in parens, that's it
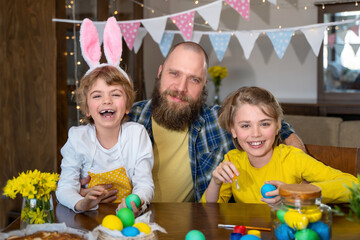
(217, 73)
(36, 189)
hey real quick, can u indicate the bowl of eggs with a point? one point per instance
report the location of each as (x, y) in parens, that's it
(123, 225)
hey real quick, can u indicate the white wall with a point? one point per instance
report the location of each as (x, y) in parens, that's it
(292, 77)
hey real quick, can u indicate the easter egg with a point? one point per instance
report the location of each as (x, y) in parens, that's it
(267, 188)
(280, 214)
(112, 222)
(240, 229)
(284, 232)
(130, 231)
(255, 233)
(296, 220)
(132, 198)
(313, 214)
(321, 229)
(250, 237)
(306, 234)
(143, 227)
(195, 235)
(235, 236)
(126, 216)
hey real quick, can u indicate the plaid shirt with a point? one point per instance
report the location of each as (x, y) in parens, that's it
(208, 142)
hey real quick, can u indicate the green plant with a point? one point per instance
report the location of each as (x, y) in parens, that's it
(354, 202)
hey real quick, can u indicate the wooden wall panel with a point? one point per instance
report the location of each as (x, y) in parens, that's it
(28, 90)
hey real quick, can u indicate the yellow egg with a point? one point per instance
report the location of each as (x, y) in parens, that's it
(112, 222)
(296, 220)
(143, 227)
(313, 214)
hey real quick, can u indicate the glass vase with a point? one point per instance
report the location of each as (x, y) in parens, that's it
(37, 211)
(217, 96)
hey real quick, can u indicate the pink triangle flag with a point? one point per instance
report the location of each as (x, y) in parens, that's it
(241, 6)
(185, 23)
(331, 40)
(355, 29)
(129, 31)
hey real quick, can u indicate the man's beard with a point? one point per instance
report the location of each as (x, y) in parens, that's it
(172, 115)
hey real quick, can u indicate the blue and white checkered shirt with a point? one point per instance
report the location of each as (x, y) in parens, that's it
(208, 142)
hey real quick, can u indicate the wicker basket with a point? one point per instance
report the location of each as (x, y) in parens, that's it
(150, 236)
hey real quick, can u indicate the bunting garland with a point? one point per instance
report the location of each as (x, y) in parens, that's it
(280, 38)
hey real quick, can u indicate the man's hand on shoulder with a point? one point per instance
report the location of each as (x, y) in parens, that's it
(108, 197)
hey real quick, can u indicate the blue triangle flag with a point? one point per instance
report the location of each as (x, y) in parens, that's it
(280, 40)
(166, 42)
(220, 43)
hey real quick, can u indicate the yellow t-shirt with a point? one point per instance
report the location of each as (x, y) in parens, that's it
(289, 165)
(171, 171)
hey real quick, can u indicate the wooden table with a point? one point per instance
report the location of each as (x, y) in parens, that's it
(179, 218)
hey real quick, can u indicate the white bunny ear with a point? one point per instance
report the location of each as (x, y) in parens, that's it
(90, 45)
(112, 42)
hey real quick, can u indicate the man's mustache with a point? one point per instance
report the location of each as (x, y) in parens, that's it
(177, 94)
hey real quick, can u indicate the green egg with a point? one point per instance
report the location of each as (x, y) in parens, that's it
(306, 234)
(280, 214)
(133, 198)
(126, 216)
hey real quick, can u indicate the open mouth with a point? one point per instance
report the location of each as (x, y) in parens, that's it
(256, 143)
(107, 113)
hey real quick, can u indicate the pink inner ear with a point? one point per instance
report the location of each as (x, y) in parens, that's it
(90, 44)
(112, 42)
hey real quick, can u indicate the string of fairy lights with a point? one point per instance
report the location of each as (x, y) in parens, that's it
(70, 7)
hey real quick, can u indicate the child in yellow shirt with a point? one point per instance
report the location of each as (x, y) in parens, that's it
(253, 116)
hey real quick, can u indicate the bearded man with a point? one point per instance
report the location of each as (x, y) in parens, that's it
(188, 142)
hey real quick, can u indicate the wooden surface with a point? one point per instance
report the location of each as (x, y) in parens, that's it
(344, 159)
(179, 218)
(27, 92)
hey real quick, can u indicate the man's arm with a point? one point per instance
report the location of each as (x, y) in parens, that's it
(295, 141)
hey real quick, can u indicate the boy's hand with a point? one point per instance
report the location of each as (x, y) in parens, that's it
(224, 173)
(276, 200)
(110, 195)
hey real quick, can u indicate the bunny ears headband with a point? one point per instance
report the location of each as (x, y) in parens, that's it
(90, 44)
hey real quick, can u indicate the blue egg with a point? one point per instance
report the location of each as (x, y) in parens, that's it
(321, 229)
(130, 232)
(284, 232)
(267, 187)
(195, 235)
(250, 237)
(235, 236)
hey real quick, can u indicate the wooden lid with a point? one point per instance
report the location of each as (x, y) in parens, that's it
(300, 191)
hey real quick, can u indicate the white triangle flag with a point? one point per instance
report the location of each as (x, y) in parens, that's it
(155, 27)
(272, 2)
(341, 35)
(211, 14)
(339, 47)
(355, 47)
(314, 36)
(100, 29)
(139, 39)
(247, 41)
(196, 37)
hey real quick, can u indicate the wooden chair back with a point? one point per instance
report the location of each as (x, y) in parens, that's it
(343, 158)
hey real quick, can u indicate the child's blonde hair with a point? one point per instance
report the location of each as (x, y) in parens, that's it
(254, 96)
(112, 76)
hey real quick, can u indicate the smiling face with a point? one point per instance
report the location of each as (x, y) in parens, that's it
(183, 76)
(106, 104)
(180, 90)
(255, 132)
